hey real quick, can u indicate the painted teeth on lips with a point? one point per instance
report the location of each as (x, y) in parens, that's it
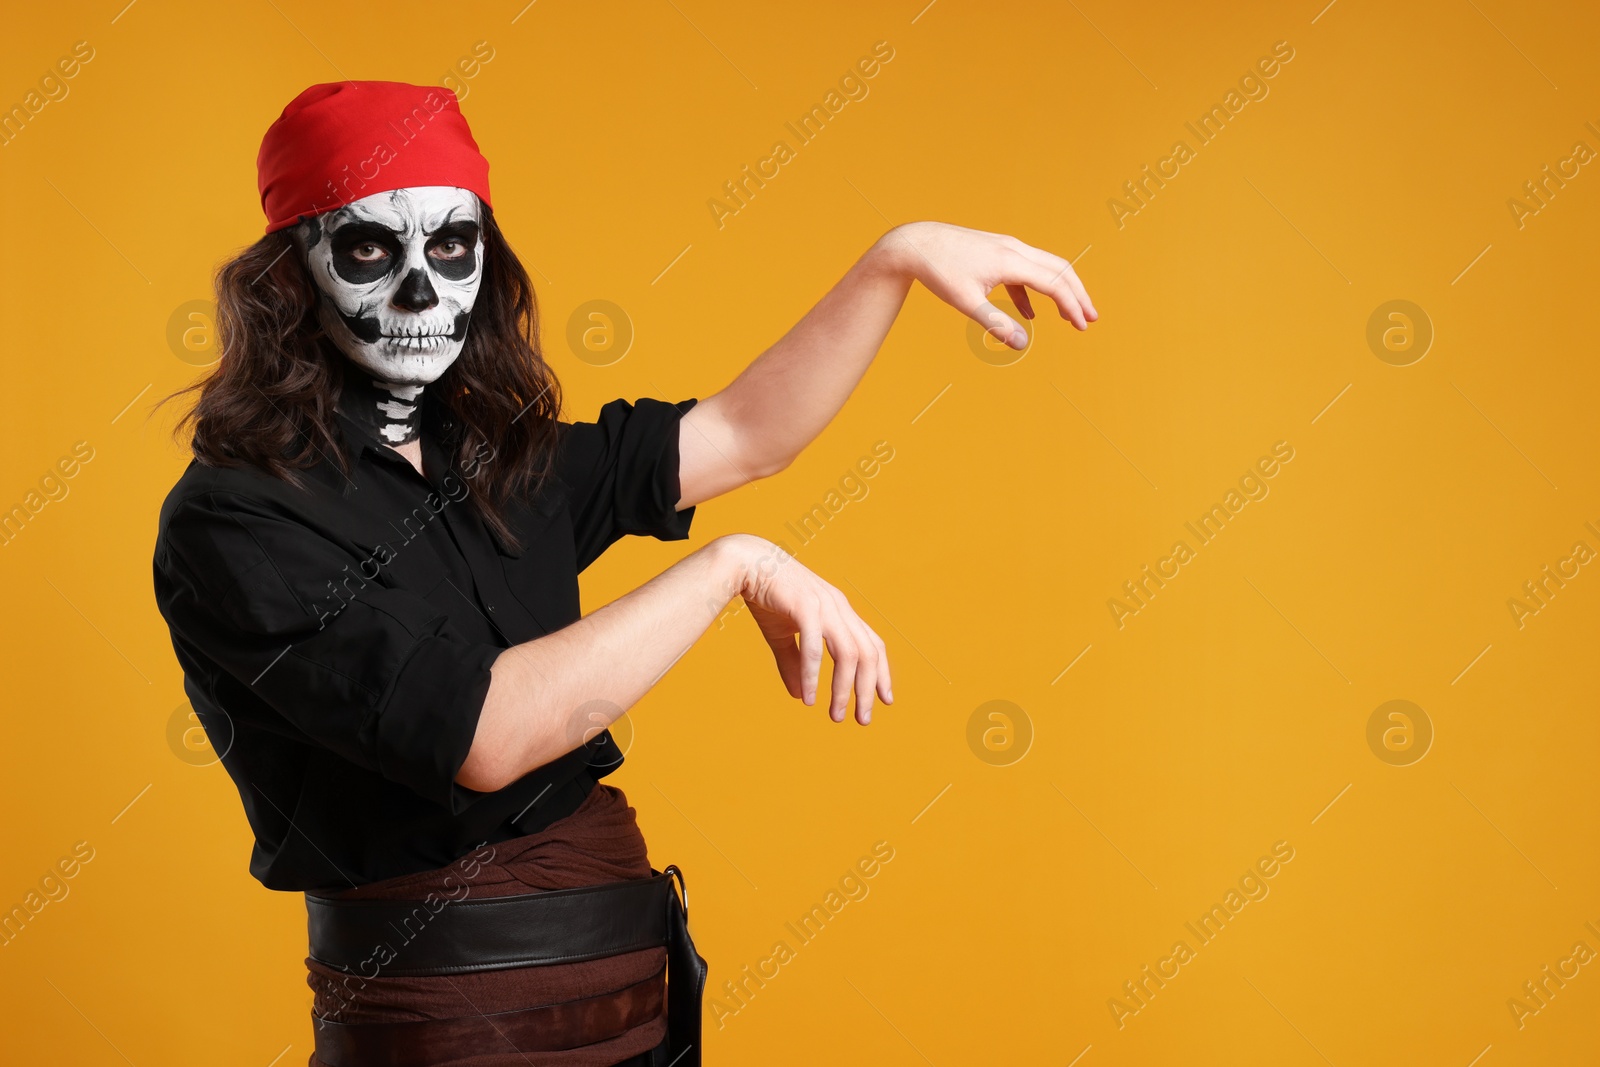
(418, 341)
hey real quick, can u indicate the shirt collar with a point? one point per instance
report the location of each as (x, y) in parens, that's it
(437, 426)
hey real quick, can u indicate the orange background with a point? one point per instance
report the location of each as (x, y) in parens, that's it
(1229, 714)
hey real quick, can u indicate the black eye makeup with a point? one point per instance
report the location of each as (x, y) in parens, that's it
(364, 252)
(453, 250)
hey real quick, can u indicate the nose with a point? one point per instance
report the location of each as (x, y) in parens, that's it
(415, 292)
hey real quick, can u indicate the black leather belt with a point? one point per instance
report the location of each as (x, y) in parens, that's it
(399, 938)
(454, 937)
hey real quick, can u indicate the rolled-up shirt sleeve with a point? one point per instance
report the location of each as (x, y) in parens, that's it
(622, 476)
(375, 674)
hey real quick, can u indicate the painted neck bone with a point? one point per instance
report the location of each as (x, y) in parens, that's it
(391, 410)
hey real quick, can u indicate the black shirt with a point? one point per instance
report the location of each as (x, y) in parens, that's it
(336, 640)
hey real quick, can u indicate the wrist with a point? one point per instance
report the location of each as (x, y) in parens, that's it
(731, 556)
(893, 254)
(742, 562)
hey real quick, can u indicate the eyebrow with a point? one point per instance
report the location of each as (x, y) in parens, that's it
(359, 226)
(362, 223)
(451, 219)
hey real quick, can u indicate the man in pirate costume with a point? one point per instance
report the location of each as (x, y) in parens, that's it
(370, 574)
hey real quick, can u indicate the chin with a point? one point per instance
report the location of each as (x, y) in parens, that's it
(402, 366)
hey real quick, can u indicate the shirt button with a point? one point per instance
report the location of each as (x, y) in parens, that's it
(491, 607)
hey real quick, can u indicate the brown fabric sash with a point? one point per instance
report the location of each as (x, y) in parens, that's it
(548, 1028)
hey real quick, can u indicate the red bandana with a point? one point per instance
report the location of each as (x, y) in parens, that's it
(341, 141)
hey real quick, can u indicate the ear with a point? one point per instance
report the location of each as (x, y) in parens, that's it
(305, 235)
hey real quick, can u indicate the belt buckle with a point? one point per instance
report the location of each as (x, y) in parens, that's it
(671, 870)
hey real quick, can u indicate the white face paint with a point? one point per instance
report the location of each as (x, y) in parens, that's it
(399, 272)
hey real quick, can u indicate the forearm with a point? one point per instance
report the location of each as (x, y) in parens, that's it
(549, 695)
(782, 401)
(789, 394)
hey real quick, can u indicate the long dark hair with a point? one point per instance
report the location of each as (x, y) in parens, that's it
(270, 401)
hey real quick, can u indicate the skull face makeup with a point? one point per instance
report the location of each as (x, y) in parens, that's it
(398, 272)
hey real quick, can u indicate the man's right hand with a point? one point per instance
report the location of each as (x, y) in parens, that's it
(800, 615)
